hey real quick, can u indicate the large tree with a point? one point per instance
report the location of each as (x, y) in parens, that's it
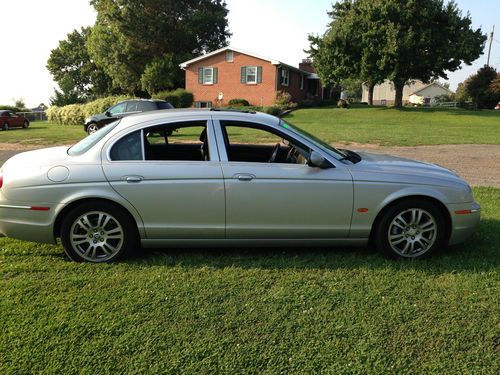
(74, 71)
(139, 43)
(404, 40)
(482, 89)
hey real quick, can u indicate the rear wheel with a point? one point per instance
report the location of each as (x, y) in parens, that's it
(412, 228)
(92, 128)
(5, 126)
(26, 124)
(98, 233)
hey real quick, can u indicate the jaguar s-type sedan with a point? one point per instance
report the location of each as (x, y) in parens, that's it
(181, 178)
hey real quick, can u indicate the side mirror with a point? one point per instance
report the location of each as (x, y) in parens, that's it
(108, 113)
(317, 160)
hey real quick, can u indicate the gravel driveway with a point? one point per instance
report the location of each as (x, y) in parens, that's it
(478, 164)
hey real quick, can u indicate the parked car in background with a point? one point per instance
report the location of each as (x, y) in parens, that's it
(122, 109)
(497, 106)
(227, 178)
(9, 119)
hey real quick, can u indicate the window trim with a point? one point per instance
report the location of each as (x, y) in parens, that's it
(232, 56)
(211, 69)
(256, 75)
(282, 80)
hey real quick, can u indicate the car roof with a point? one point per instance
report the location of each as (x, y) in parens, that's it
(193, 114)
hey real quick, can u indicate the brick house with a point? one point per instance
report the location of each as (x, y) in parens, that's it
(230, 73)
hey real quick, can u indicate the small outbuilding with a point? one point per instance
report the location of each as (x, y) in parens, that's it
(427, 94)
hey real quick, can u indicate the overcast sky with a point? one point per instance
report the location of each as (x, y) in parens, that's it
(273, 28)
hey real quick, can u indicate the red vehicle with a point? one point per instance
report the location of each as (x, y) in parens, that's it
(9, 119)
(498, 106)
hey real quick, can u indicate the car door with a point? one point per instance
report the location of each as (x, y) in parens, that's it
(15, 120)
(178, 193)
(114, 113)
(271, 200)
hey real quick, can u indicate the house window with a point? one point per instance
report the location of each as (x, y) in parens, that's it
(207, 75)
(285, 77)
(302, 81)
(251, 74)
(229, 56)
(203, 104)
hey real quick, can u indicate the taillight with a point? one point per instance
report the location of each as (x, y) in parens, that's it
(1, 179)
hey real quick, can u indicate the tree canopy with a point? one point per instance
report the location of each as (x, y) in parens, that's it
(482, 88)
(140, 43)
(401, 40)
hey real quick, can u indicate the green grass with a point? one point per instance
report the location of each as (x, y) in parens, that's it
(43, 133)
(400, 127)
(256, 310)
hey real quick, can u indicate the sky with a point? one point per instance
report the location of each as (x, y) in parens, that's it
(276, 29)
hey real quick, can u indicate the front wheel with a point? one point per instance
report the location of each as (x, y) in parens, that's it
(98, 233)
(26, 124)
(411, 228)
(92, 128)
(5, 126)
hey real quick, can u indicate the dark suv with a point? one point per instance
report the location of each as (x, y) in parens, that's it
(122, 109)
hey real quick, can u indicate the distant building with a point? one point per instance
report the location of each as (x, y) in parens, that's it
(416, 92)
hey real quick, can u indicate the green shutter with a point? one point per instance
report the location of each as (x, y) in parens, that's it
(259, 74)
(216, 74)
(200, 75)
(243, 74)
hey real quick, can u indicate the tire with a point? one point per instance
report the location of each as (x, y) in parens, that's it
(92, 128)
(5, 126)
(26, 124)
(412, 228)
(98, 233)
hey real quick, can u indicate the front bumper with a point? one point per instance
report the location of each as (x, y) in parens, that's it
(464, 219)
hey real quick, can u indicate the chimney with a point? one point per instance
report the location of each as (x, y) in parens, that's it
(307, 66)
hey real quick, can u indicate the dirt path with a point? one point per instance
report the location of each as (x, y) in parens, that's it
(478, 164)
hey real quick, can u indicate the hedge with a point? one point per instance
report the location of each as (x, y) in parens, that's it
(75, 114)
(179, 98)
(13, 109)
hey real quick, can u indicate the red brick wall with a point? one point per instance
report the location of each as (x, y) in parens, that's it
(294, 86)
(229, 80)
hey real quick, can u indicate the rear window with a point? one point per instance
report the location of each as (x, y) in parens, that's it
(165, 105)
(88, 142)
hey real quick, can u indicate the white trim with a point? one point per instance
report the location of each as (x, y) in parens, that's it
(227, 54)
(287, 84)
(256, 74)
(429, 85)
(211, 69)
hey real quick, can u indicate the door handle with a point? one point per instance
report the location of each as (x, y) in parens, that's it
(245, 177)
(133, 179)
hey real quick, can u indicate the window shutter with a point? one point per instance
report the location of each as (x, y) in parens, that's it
(216, 74)
(200, 75)
(259, 74)
(243, 74)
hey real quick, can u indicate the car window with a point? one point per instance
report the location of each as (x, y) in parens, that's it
(164, 105)
(249, 142)
(132, 107)
(119, 108)
(182, 141)
(128, 148)
(88, 142)
(147, 106)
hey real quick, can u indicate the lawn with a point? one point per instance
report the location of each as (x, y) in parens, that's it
(378, 125)
(255, 311)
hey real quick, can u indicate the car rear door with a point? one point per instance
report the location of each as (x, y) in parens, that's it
(266, 200)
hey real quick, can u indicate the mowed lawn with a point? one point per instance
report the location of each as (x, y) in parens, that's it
(270, 311)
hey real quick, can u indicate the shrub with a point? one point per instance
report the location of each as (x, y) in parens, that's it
(13, 108)
(274, 110)
(342, 103)
(239, 103)
(283, 99)
(179, 98)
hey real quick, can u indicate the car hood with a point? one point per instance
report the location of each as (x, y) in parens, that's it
(381, 165)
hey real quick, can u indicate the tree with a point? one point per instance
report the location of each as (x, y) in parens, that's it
(150, 38)
(481, 89)
(398, 40)
(19, 103)
(74, 71)
(60, 99)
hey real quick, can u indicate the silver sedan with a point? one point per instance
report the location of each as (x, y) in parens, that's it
(183, 178)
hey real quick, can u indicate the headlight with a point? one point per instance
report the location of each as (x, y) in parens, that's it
(88, 119)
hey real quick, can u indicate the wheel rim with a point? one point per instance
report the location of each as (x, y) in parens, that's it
(412, 233)
(5, 126)
(96, 236)
(92, 129)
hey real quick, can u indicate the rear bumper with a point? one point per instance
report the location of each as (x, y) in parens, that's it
(27, 225)
(464, 219)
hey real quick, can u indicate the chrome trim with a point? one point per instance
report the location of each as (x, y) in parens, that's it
(16, 207)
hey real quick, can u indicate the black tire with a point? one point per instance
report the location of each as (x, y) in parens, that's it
(5, 126)
(120, 224)
(26, 124)
(92, 128)
(421, 237)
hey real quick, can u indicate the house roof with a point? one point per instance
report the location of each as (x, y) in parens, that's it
(429, 85)
(186, 64)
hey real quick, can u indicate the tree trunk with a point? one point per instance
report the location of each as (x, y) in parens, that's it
(371, 86)
(398, 101)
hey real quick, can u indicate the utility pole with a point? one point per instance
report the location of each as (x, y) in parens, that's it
(491, 42)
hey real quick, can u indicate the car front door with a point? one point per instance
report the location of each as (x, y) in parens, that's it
(15, 120)
(171, 174)
(279, 199)
(114, 113)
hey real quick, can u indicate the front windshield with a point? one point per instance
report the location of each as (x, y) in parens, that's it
(88, 142)
(321, 144)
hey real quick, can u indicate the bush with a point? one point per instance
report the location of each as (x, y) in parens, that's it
(274, 110)
(284, 100)
(342, 104)
(179, 98)
(13, 108)
(75, 114)
(239, 103)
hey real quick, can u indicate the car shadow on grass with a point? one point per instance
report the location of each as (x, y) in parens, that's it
(479, 254)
